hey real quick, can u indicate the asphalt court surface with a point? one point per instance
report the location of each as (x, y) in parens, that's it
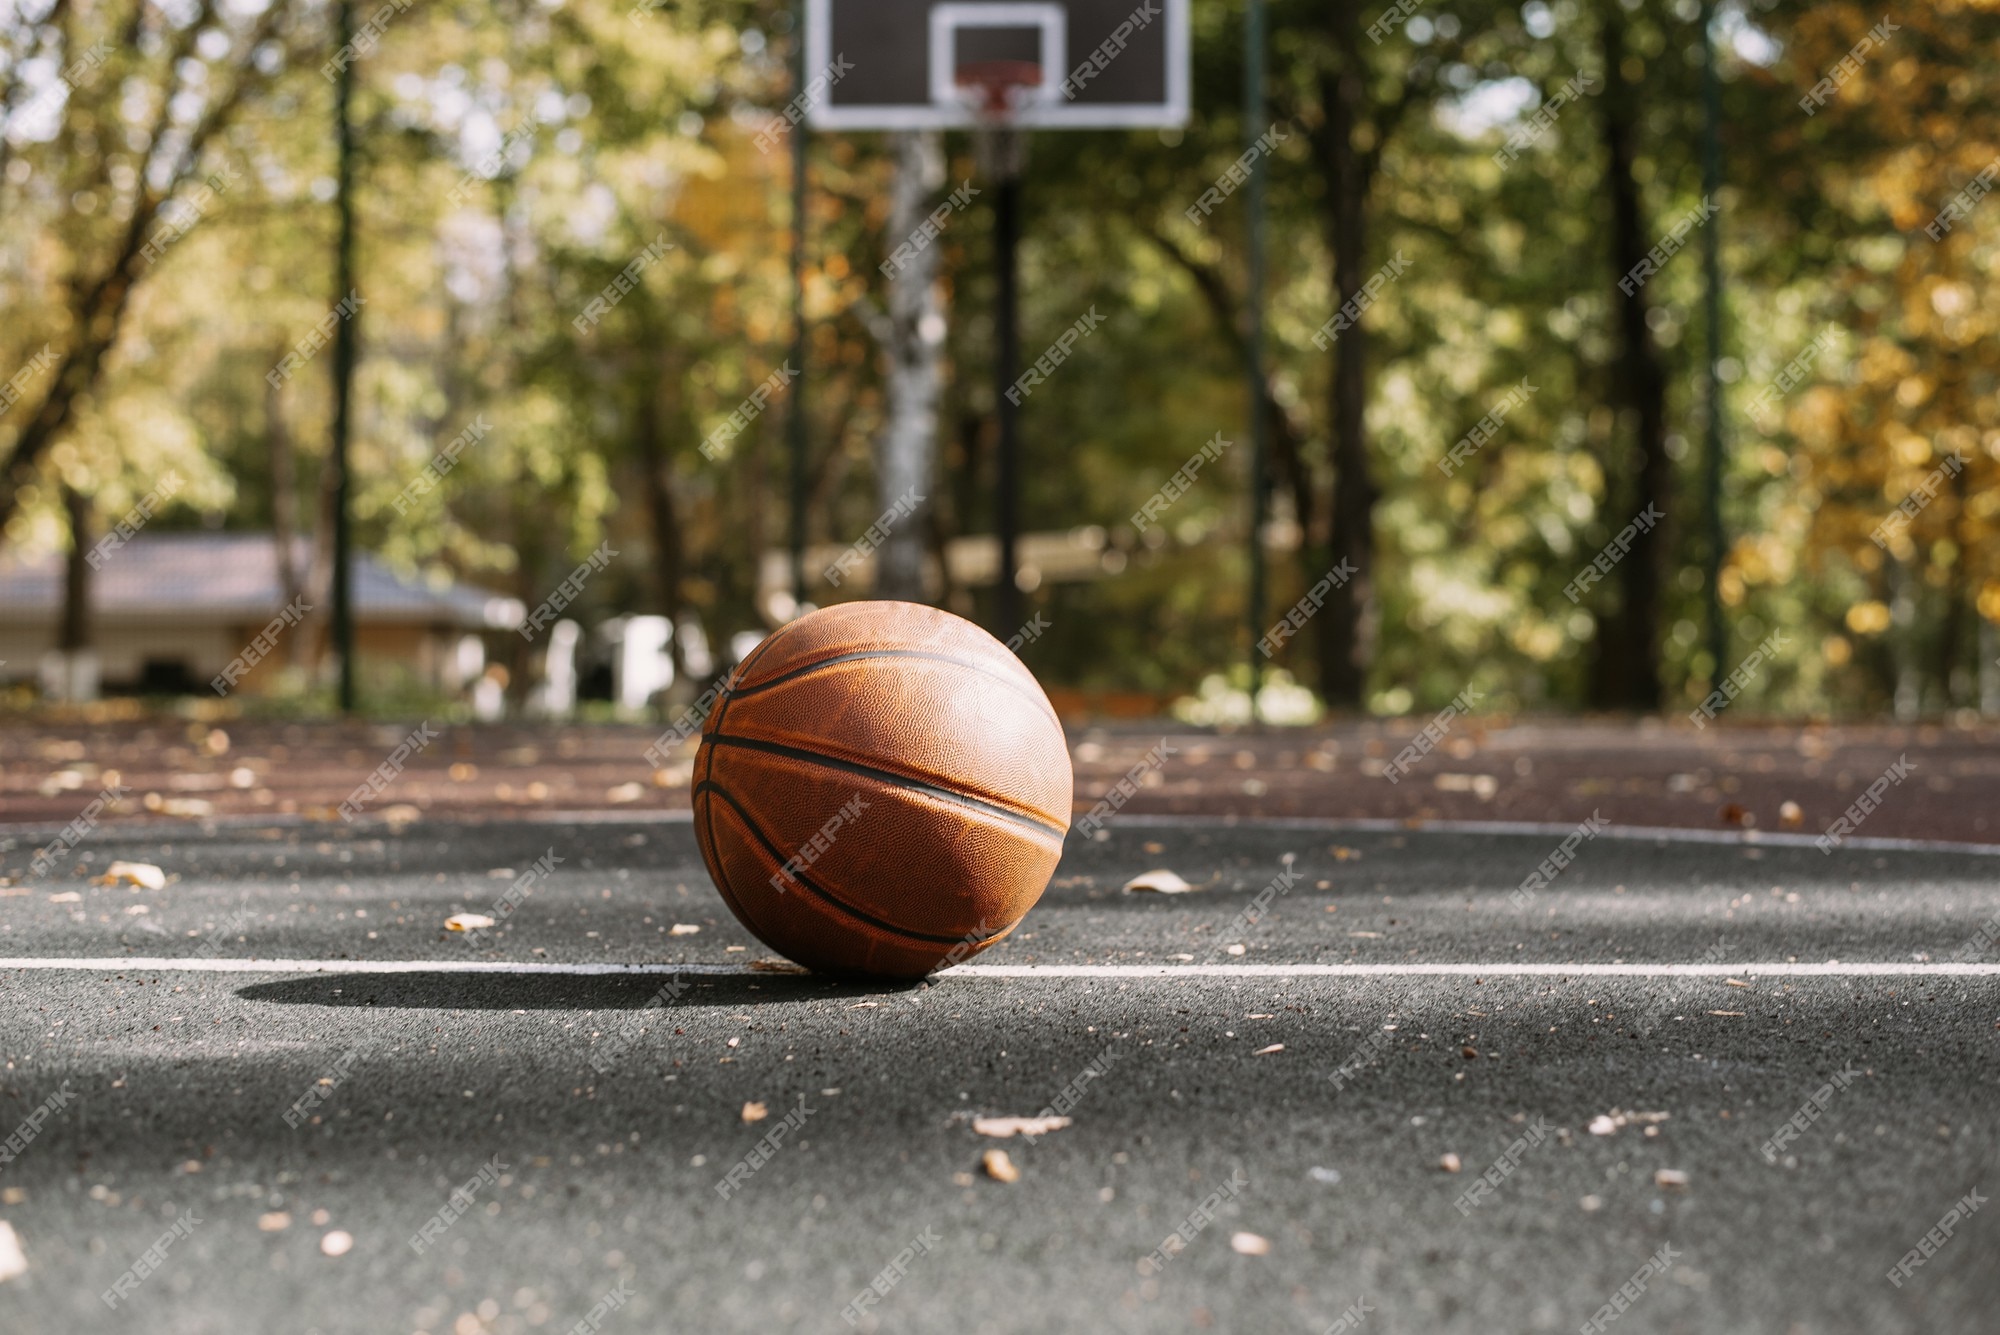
(1311, 1109)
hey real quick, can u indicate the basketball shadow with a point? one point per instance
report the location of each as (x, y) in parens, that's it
(552, 991)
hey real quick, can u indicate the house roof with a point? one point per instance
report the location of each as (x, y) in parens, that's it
(227, 575)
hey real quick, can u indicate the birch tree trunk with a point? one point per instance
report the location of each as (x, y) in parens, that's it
(913, 350)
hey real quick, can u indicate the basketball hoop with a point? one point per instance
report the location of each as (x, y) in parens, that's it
(996, 90)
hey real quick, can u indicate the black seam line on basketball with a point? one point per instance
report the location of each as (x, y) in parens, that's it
(795, 673)
(709, 857)
(889, 777)
(750, 824)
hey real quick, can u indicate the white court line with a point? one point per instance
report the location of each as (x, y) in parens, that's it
(1333, 824)
(1776, 969)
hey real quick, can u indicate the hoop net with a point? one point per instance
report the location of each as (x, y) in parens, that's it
(996, 88)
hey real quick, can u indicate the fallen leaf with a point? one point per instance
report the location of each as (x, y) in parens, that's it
(1004, 1127)
(1249, 1244)
(1469, 1052)
(1670, 1177)
(1451, 1163)
(999, 1167)
(755, 1112)
(142, 874)
(1275, 1047)
(1329, 1177)
(1733, 813)
(1735, 1013)
(1368, 935)
(66, 897)
(12, 1261)
(777, 966)
(467, 922)
(1236, 949)
(1790, 813)
(337, 1243)
(683, 929)
(277, 1221)
(1735, 982)
(625, 792)
(402, 813)
(1160, 881)
(13, 1195)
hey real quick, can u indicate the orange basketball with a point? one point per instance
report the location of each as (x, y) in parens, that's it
(882, 788)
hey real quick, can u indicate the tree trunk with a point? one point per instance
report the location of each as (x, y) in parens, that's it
(74, 635)
(284, 502)
(1625, 672)
(658, 479)
(914, 352)
(1346, 624)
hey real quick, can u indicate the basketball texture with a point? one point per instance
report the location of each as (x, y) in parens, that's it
(881, 788)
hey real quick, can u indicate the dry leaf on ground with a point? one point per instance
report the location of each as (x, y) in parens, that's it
(142, 874)
(1249, 1244)
(755, 1112)
(1159, 881)
(999, 1167)
(467, 922)
(1004, 1127)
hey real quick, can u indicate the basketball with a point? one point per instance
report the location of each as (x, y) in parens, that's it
(881, 789)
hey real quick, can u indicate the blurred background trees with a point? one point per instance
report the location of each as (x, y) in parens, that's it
(516, 156)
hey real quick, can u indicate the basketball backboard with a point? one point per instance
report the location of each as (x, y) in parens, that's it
(1074, 64)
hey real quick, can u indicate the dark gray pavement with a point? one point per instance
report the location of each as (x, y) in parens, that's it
(178, 1083)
